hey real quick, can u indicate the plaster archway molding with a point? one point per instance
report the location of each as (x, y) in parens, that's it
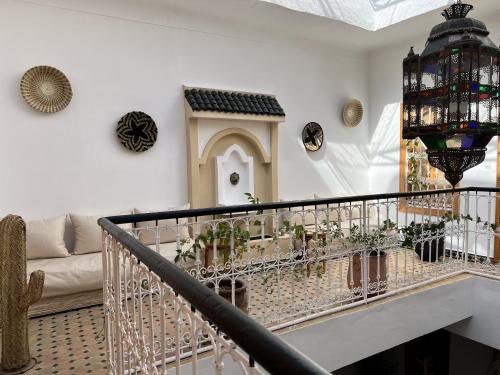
(231, 131)
(268, 162)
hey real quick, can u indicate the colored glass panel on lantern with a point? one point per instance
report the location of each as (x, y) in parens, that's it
(467, 142)
(441, 144)
(453, 88)
(452, 126)
(484, 96)
(459, 141)
(475, 86)
(483, 88)
(430, 142)
(430, 69)
(473, 125)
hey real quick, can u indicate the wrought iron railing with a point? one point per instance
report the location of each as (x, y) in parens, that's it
(276, 265)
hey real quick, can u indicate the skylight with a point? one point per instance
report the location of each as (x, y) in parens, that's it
(368, 14)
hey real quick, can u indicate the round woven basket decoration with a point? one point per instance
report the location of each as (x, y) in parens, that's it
(137, 131)
(352, 113)
(46, 89)
(312, 136)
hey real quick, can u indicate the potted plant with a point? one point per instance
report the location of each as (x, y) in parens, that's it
(375, 241)
(318, 242)
(433, 249)
(298, 234)
(226, 291)
(220, 236)
(427, 250)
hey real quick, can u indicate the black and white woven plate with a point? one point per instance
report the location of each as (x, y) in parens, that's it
(137, 131)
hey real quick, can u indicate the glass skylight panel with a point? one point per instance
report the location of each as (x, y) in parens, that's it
(368, 14)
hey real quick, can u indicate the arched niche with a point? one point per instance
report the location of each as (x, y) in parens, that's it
(230, 129)
(234, 176)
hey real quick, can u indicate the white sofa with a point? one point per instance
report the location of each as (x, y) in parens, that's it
(68, 250)
(79, 273)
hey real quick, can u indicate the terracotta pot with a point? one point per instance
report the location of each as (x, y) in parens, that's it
(240, 292)
(373, 261)
(209, 254)
(311, 267)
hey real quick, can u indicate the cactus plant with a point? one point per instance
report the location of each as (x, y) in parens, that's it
(15, 294)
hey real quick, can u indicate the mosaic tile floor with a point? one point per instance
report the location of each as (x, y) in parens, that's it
(73, 342)
(69, 343)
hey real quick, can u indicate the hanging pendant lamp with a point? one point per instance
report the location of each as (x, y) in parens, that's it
(451, 93)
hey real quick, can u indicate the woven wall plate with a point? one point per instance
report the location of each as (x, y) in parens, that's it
(352, 113)
(312, 136)
(46, 89)
(137, 131)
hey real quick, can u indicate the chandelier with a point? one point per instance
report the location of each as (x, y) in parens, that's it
(451, 93)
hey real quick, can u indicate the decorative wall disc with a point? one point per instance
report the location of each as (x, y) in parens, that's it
(312, 136)
(46, 89)
(352, 113)
(137, 131)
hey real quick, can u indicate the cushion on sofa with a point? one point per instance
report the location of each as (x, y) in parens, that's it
(45, 238)
(80, 273)
(309, 220)
(74, 274)
(167, 229)
(169, 249)
(88, 234)
(334, 210)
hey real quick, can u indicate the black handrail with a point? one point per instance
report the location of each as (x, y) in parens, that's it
(269, 351)
(227, 210)
(272, 353)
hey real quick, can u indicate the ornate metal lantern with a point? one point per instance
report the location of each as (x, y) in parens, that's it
(451, 93)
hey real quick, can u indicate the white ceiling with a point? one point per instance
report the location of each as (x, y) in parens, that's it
(359, 25)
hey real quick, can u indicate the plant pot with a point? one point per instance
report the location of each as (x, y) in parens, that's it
(209, 254)
(373, 261)
(312, 267)
(432, 250)
(313, 264)
(240, 292)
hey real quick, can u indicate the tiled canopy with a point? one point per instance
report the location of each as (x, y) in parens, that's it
(232, 102)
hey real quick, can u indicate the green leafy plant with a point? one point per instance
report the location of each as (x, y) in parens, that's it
(297, 230)
(373, 239)
(254, 200)
(222, 235)
(411, 231)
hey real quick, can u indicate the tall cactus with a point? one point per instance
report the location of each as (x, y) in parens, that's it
(15, 294)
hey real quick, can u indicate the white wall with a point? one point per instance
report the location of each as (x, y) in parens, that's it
(124, 55)
(386, 94)
(483, 325)
(347, 338)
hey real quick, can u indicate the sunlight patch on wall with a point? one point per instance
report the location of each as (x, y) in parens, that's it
(384, 150)
(342, 168)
